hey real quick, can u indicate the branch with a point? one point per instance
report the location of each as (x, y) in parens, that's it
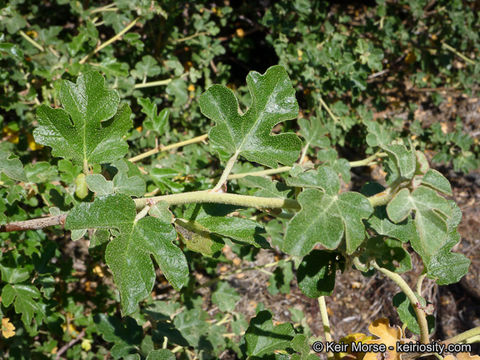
(168, 147)
(402, 284)
(34, 224)
(326, 323)
(108, 42)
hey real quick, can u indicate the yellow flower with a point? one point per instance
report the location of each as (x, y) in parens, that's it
(10, 134)
(86, 344)
(191, 87)
(240, 33)
(97, 270)
(32, 144)
(8, 330)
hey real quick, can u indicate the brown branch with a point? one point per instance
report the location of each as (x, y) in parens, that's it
(68, 345)
(34, 224)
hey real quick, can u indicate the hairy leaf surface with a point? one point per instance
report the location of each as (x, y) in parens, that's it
(249, 134)
(91, 124)
(128, 254)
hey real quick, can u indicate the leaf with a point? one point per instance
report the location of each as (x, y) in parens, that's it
(12, 167)
(316, 273)
(225, 297)
(437, 181)
(378, 135)
(14, 275)
(404, 231)
(279, 281)
(325, 216)
(128, 254)
(192, 325)
(404, 159)
(263, 338)
(266, 187)
(155, 121)
(90, 127)
(314, 132)
(407, 315)
(24, 298)
(249, 134)
(99, 185)
(446, 267)
(198, 239)
(388, 253)
(386, 335)
(431, 213)
(162, 354)
(125, 333)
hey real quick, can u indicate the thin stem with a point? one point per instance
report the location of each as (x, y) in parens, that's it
(459, 54)
(31, 41)
(110, 41)
(304, 153)
(326, 323)
(220, 198)
(109, 7)
(190, 37)
(260, 173)
(463, 337)
(368, 160)
(419, 283)
(328, 109)
(153, 83)
(168, 147)
(226, 172)
(420, 314)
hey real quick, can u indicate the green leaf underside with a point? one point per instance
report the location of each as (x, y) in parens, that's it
(437, 181)
(388, 253)
(263, 338)
(404, 159)
(91, 124)
(407, 313)
(13, 168)
(431, 214)
(316, 273)
(249, 135)
(128, 254)
(404, 231)
(325, 216)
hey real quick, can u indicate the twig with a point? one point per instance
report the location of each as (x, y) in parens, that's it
(456, 52)
(31, 41)
(68, 345)
(108, 42)
(402, 284)
(226, 171)
(34, 224)
(168, 147)
(260, 173)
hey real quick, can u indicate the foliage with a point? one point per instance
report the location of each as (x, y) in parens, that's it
(90, 91)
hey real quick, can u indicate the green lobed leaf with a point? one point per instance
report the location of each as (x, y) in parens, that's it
(314, 132)
(316, 273)
(388, 253)
(162, 354)
(431, 213)
(262, 337)
(404, 159)
(225, 296)
(325, 216)
(378, 135)
(24, 298)
(265, 187)
(404, 231)
(406, 313)
(437, 181)
(12, 167)
(128, 254)
(99, 185)
(249, 134)
(199, 239)
(90, 127)
(125, 333)
(282, 276)
(155, 121)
